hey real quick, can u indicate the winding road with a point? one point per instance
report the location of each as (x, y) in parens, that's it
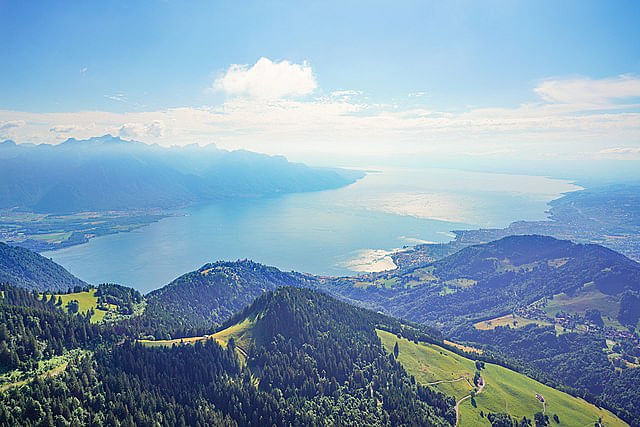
(480, 388)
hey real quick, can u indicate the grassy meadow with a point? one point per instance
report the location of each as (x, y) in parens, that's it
(240, 332)
(86, 301)
(508, 320)
(504, 391)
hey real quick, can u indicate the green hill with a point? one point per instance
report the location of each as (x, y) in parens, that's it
(504, 391)
(306, 345)
(303, 328)
(203, 299)
(493, 279)
(506, 294)
(306, 359)
(24, 268)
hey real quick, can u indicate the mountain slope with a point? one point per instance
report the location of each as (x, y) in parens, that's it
(304, 345)
(203, 299)
(485, 281)
(108, 173)
(307, 340)
(503, 390)
(557, 307)
(24, 268)
(320, 364)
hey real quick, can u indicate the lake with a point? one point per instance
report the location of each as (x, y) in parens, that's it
(334, 232)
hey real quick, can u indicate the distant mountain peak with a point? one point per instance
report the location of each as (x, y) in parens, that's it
(97, 140)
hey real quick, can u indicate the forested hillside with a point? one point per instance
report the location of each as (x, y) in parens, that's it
(485, 281)
(200, 300)
(300, 347)
(565, 310)
(322, 355)
(27, 269)
(317, 361)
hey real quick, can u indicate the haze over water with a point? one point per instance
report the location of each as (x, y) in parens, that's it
(334, 232)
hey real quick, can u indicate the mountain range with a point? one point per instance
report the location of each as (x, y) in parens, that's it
(108, 173)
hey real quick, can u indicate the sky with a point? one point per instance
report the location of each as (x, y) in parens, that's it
(525, 80)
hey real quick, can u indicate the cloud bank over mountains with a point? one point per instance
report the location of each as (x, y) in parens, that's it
(279, 107)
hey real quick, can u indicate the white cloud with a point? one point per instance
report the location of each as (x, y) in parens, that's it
(343, 123)
(118, 97)
(345, 93)
(155, 129)
(63, 129)
(10, 124)
(131, 130)
(267, 79)
(10, 127)
(621, 152)
(589, 91)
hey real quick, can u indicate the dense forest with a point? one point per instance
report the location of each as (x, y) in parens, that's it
(320, 361)
(199, 301)
(24, 268)
(33, 329)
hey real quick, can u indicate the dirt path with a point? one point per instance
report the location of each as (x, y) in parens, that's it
(448, 381)
(50, 373)
(480, 388)
(542, 400)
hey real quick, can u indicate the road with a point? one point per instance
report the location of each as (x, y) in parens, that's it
(480, 388)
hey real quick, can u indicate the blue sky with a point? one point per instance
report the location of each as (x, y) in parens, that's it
(152, 70)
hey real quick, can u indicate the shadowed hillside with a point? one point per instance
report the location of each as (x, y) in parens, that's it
(108, 173)
(24, 268)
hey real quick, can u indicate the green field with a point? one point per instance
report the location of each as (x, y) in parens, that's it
(587, 297)
(378, 283)
(86, 301)
(508, 320)
(240, 332)
(504, 391)
(58, 237)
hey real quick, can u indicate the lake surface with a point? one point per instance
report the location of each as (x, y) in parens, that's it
(334, 232)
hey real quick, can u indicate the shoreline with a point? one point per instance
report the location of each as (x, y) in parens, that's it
(419, 253)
